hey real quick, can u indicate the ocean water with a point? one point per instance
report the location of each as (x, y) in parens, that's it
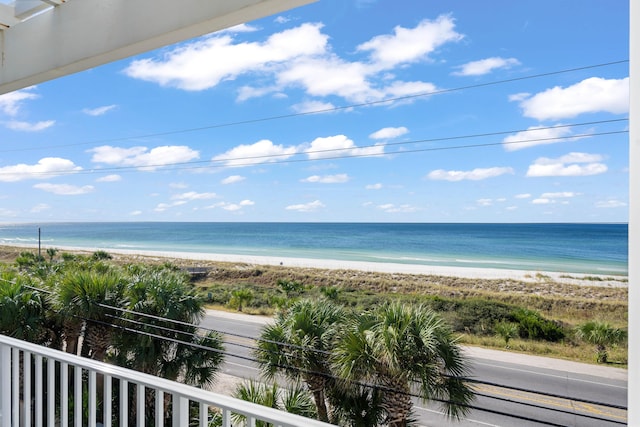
(571, 248)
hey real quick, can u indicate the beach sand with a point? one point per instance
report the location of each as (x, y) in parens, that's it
(388, 268)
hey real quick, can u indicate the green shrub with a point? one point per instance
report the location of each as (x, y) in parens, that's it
(533, 326)
(101, 255)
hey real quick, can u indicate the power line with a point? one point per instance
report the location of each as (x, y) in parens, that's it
(320, 111)
(334, 377)
(221, 163)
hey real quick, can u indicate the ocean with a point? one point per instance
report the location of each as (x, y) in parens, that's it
(570, 248)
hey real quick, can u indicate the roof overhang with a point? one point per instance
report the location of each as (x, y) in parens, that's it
(44, 39)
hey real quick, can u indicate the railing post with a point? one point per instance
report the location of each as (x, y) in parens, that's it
(64, 394)
(26, 360)
(5, 392)
(77, 396)
(140, 403)
(15, 387)
(124, 402)
(159, 408)
(51, 392)
(106, 401)
(92, 398)
(38, 391)
(180, 410)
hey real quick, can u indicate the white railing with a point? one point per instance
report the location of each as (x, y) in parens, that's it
(44, 387)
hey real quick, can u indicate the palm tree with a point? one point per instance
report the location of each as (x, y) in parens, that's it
(397, 345)
(240, 298)
(91, 298)
(52, 253)
(602, 335)
(22, 310)
(163, 310)
(295, 400)
(299, 345)
(506, 330)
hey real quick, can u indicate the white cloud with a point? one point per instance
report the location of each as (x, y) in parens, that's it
(337, 146)
(537, 135)
(473, 175)
(411, 44)
(306, 207)
(8, 213)
(523, 196)
(192, 195)
(236, 207)
(99, 111)
(40, 207)
(391, 208)
(10, 103)
(142, 157)
(591, 95)
(206, 62)
(313, 106)
(549, 198)
(240, 28)
(559, 195)
(233, 179)
(485, 66)
(389, 133)
(263, 151)
(135, 213)
(161, 207)
(327, 179)
(64, 189)
(29, 127)
(611, 203)
(541, 201)
(109, 178)
(299, 57)
(178, 185)
(326, 76)
(45, 168)
(376, 186)
(572, 164)
(484, 202)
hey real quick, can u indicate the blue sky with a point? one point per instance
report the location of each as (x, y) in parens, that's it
(342, 110)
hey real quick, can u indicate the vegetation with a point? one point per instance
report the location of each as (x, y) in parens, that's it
(298, 344)
(334, 351)
(123, 315)
(602, 335)
(334, 331)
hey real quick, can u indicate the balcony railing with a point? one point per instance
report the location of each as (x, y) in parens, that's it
(44, 387)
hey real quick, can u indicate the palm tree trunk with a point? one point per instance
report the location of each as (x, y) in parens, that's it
(316, 385)
(396, 401)
(72, 331)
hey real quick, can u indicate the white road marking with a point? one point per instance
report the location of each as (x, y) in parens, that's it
(551, 375)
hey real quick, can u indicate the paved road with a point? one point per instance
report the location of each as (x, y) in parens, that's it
(497, 370)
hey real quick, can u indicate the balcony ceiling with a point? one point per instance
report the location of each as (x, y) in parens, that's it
(44, 39)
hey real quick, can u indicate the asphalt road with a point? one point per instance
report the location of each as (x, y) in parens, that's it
(513, 389)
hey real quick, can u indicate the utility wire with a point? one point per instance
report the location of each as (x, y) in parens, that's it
(333, 377)
(324, 110)
(208, 164)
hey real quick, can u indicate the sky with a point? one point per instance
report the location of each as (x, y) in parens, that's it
(340, 111)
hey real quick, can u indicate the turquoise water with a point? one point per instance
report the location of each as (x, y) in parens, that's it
(571, 248)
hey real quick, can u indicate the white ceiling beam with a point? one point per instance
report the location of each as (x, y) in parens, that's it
(27, 8)
(7, 16)
(82, 34)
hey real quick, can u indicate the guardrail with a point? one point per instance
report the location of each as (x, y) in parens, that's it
(40, 387)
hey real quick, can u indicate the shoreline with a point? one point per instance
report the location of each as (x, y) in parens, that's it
(364, 266)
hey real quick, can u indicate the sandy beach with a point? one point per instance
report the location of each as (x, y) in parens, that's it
(389, 268)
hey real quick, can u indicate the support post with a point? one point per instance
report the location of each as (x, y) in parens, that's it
(633, 390)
